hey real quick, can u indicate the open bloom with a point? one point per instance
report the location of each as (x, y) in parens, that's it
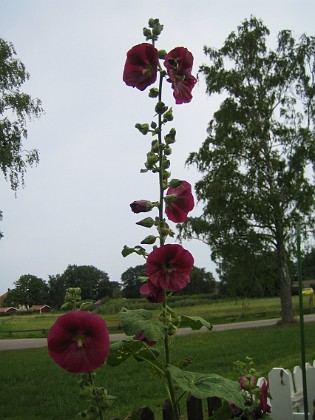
(153, 293)
(141, 66)
(180, 202)
(78, 341)
(178, 63)
(169, 267)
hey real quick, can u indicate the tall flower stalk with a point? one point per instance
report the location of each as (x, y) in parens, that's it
(168, 265)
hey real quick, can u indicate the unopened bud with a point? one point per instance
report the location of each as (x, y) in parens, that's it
(167, 150)
(160, 108)
(162, 54)
(168, 116)
(143, 128)
(148, 240)
(170, 137)
(152, 158)
(141, 206)
(175, 183)
(153, 93)
(147, 222)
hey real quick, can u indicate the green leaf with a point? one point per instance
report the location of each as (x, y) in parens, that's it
(137, 249)
(202, 385)
(139, 320)
(122, 350)
(194, 322)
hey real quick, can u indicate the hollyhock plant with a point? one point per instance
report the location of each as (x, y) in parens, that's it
(141, 66)
(179, 202)
(169, 267)
(78, 341)
(178, 63)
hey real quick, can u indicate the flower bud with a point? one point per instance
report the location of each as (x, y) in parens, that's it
(248, 382)
(152, 158)
(141, 206)
(153, 93)
(155, 146)
(169, 199)
(170, 137)
(168, 116)
(167, 150)
(160, 108)
(148, 240)
(147, 33)
(162, 54)
(143, 128)
(153, 125)
(175, 183)
(147, 222)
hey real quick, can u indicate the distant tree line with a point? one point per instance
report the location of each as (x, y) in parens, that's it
(95, 285)
(30, 290)
(255, 276)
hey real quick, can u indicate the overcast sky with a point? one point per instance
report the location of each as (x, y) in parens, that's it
(75, 206)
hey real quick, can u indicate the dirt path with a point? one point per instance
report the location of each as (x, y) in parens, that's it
(25, 343)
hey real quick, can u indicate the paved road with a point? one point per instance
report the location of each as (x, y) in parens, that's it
(24, 343)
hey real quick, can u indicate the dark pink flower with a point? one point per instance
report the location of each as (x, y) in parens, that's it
(152, 293)
(141, 206)
(141, 337)
(264, 406)
(180, 204)
(178, 63)
(141, 66)
(169, 267)
(78, 341)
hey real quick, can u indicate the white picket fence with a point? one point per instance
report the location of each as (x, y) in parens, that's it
(286, 390)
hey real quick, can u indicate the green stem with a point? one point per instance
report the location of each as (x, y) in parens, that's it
(100, 411)
(170, 387)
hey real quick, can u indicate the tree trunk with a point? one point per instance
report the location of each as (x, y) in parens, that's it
(285, 286)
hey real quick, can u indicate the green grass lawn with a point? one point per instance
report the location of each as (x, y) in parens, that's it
(32, 386)
(216, 312)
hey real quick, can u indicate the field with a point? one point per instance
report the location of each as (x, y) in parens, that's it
(216, 312)
(33, 387)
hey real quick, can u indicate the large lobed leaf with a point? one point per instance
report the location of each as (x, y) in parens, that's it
(140, 320)
(194, 322)
(122, 350)
(202, 385)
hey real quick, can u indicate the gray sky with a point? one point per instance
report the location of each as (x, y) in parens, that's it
(75, 206)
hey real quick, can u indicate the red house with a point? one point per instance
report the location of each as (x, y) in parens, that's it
(7, 310)
(40, 308)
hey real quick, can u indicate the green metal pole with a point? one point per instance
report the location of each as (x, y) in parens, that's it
(302, 336)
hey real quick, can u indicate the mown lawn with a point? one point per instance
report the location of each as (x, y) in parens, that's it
(33, 387)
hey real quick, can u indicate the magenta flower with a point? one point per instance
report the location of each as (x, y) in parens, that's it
(264, 406)
(169, 267)
(152, 293)
(178, 63)
(78, 341)
(141, 66)
(141, 206)
(179, 202)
